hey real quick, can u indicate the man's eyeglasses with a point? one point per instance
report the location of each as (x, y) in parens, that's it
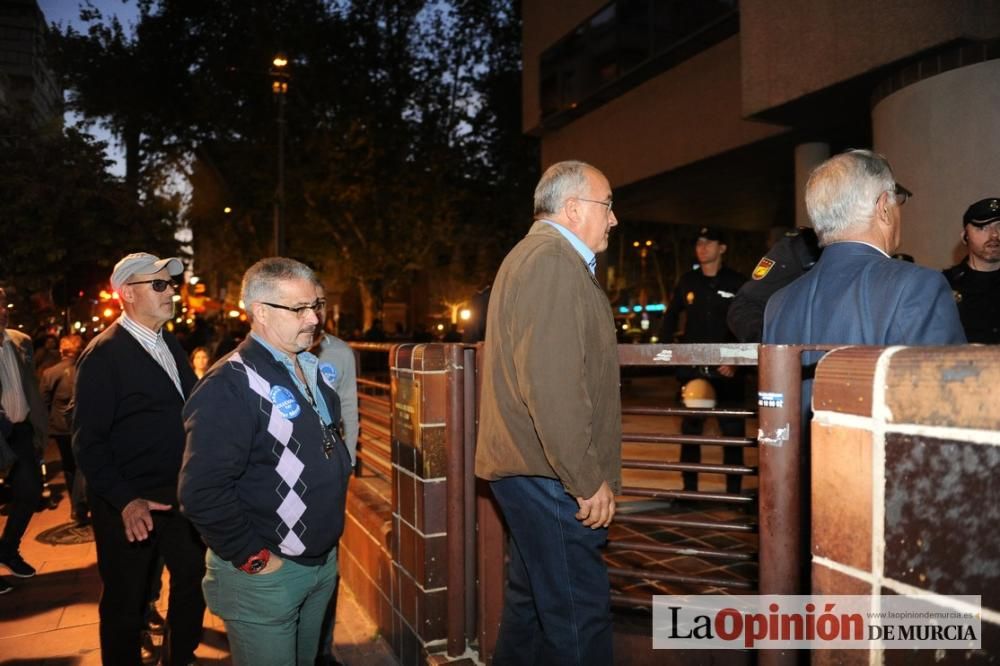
(603, 203)
(159, 286)
(301, 310)
(900, 193)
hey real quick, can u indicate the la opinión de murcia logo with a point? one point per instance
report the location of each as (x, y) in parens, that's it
(816, 622)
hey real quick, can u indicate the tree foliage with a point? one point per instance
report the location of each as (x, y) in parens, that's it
(403, 146)
(64, 220)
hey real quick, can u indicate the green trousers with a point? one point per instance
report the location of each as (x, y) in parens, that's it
(273, 618)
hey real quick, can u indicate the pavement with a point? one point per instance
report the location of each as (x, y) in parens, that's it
(51, 619)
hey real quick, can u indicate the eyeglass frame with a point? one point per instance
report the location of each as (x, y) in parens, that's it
(299, 311)
(897, 192)
(609, 203)
(156, 282)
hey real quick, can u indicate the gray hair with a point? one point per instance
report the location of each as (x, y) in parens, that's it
(560, 181)
(842, 192)
(260, 282)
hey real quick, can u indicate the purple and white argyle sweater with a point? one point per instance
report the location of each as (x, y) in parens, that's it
(254, 473)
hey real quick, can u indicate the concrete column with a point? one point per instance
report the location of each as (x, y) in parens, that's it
(808, 156)
(942, 137)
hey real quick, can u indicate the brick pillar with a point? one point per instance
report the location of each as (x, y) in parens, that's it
(906, 483)
(419, 552)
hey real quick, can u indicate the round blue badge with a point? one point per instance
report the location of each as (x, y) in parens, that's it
(286, 403)
(329, 373)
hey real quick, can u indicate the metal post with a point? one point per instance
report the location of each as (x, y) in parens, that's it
(455, 442)
(279, 198)
(781, 495)
(469, 477)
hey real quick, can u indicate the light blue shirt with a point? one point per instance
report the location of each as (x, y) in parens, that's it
(588, 255)
(310, 365)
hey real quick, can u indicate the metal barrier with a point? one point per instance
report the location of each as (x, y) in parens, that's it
(374, 408)
(664, 516)
(475, 535)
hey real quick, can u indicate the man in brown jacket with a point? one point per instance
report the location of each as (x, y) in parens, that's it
(550, 424)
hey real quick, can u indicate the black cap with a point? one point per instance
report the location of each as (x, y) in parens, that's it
(982, 212)
(710, 233)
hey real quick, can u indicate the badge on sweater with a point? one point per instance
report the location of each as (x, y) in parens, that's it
(285, 402)
(329, 373)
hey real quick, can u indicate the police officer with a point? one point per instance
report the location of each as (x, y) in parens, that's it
(789, 258)
(976, 279)
(705, 294)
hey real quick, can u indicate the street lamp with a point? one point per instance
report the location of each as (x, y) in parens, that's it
(279, 86)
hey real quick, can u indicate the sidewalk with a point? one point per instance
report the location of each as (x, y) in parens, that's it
(51, 619)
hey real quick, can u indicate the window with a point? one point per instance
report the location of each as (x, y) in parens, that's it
(625, 43)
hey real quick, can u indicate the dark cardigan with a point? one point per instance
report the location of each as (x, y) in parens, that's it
(128, 433)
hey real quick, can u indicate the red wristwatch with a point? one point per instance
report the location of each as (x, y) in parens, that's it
(256, 562)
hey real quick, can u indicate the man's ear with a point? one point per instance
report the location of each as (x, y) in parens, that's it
(126, 294)
(722, 248)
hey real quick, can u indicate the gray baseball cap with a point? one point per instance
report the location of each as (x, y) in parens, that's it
(144, 263)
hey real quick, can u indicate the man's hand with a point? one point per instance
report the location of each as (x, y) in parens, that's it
(138, 519)
(598, 510)
(728, 371)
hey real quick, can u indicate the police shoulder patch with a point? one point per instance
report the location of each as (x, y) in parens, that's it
(763, 268)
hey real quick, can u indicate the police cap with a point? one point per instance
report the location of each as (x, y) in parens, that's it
(982, 212)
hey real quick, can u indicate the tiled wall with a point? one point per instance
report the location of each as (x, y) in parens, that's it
(906, 484)
(419, 532)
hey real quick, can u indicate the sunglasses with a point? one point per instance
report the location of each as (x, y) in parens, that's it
(159, 286)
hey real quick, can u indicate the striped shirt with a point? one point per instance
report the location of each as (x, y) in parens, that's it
(155, 345)
(12, 399)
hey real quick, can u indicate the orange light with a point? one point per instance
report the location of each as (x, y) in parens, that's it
(108, 313)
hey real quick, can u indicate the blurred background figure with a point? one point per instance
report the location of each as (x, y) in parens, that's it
(200, 361)
(57, 391)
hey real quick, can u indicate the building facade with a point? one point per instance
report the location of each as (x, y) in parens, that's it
(28, 87)
(715, 111)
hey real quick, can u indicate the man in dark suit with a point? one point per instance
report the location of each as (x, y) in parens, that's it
(128, 437)
(857, 294)
(23, 422)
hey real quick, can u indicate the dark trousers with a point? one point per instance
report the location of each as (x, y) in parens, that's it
(557, 605)
(729, 394)
(731, 455)
(125, 568)
(25, 481)
(75, 486)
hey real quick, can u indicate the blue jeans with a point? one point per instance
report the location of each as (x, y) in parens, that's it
(271, 618)
(557, 606)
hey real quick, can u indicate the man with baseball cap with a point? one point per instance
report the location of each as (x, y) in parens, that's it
(975, 280)
(128, 435)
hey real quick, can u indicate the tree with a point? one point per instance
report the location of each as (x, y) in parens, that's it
(403, 120)
(65, 221)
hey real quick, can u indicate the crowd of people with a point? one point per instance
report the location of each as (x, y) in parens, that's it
(234, 475)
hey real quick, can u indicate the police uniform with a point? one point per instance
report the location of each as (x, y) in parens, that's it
(790, 258)
(706, 300)
(977, 293)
